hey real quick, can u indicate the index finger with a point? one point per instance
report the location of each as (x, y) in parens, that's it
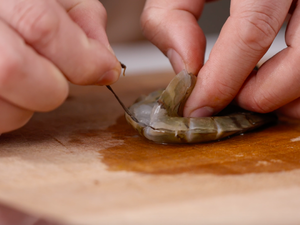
(172, 26)
(244, 39)
(47, 28)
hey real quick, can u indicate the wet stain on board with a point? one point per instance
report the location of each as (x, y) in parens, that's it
(266, 150)
(79, 126)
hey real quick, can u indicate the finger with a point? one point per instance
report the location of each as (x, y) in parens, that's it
(278, 81)
(47, 27)
(293, 6)
(27, 79)
(12, 117)
(172, 26)
(91, 16)
(245, 37)
(291, 109)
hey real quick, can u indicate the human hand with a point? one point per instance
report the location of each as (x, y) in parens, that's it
(244, 39)
(44, 44)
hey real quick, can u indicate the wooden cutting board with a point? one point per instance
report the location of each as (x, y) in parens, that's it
(83, 164)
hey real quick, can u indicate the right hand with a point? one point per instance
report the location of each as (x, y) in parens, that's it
(43, 45)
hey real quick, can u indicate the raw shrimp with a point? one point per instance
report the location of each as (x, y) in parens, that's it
(158, 116)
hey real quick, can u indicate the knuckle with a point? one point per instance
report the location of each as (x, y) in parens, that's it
(263, 103)
(258, 30)
(99, 8)
(145, 18)
(92, 6)
(36, 21)
(151, 21)
(226, 91)
(85, 74)
(79, 78)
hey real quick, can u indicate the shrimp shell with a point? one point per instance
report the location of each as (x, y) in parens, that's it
(158, 116)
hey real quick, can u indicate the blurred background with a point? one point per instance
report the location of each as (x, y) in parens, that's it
(140, 56)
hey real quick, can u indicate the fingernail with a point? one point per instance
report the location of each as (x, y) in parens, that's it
(109, 77)
(176, 60)
(202, 112)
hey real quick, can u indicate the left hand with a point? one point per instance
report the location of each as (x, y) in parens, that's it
(227, 75)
